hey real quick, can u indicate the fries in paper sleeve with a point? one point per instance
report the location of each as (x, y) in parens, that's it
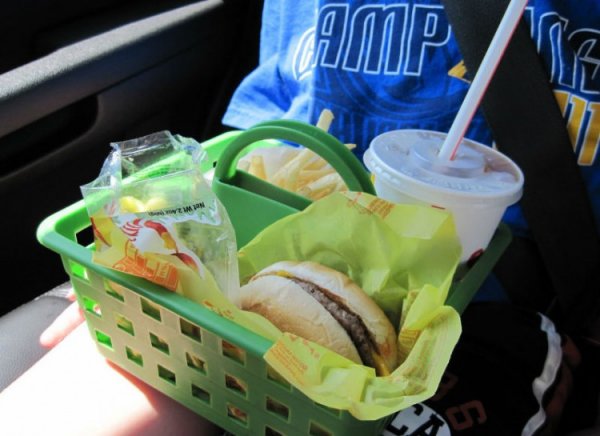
(295, 169)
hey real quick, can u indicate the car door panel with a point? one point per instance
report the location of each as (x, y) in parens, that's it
(59, 113)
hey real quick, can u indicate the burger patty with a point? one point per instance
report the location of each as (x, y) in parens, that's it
(349, 321)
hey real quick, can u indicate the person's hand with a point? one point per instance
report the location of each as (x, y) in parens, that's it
(64, 324)
(73, 390)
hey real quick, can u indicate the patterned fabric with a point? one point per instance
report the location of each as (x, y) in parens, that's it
(511, 374)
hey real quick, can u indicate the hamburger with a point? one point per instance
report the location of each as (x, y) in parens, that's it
(324, 306)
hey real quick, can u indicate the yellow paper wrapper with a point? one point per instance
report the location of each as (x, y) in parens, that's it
(404, 257)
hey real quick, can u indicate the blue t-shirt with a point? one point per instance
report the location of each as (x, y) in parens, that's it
(386, 65)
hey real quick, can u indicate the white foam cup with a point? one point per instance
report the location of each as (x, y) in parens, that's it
(476, 187)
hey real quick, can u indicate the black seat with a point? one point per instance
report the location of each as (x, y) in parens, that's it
(20, 330)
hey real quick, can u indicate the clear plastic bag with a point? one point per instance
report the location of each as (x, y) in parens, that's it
(154, 215)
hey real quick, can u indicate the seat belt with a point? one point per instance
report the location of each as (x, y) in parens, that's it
(528, 126)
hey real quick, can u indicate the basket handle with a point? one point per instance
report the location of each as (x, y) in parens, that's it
(322, 143)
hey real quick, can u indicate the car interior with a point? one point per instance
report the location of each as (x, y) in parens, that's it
(77, 77)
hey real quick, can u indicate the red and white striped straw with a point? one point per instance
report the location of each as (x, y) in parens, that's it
(482, 79)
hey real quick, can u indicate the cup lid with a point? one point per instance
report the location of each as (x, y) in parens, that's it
(407, 159)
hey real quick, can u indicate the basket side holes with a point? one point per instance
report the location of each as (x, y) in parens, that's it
(233, 352)
(167, 375)
(277, 408)
(195, 362)
(276, 378)
(124, 324)
(272, 432)
(236, 385)
(79, 271)
(85, 237)
(134, 356)
(335, 412)
(103, 339)
(237, 414)
(91, 306)
(159, 343)
(201, 394)
(113, 289)
(190, 330)
(317, 430)
(151, 309)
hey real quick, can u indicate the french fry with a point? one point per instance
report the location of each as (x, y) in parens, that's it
(257, 167)
(305, 172)
(287, 175)
(341, 186)
(320, 187)
(325, 119)
(308, 176)
(316, 163)
(243, 165)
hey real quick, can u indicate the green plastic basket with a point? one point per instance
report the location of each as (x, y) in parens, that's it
(206, 362)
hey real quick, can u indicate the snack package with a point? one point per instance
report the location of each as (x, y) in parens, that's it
(154, 216)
